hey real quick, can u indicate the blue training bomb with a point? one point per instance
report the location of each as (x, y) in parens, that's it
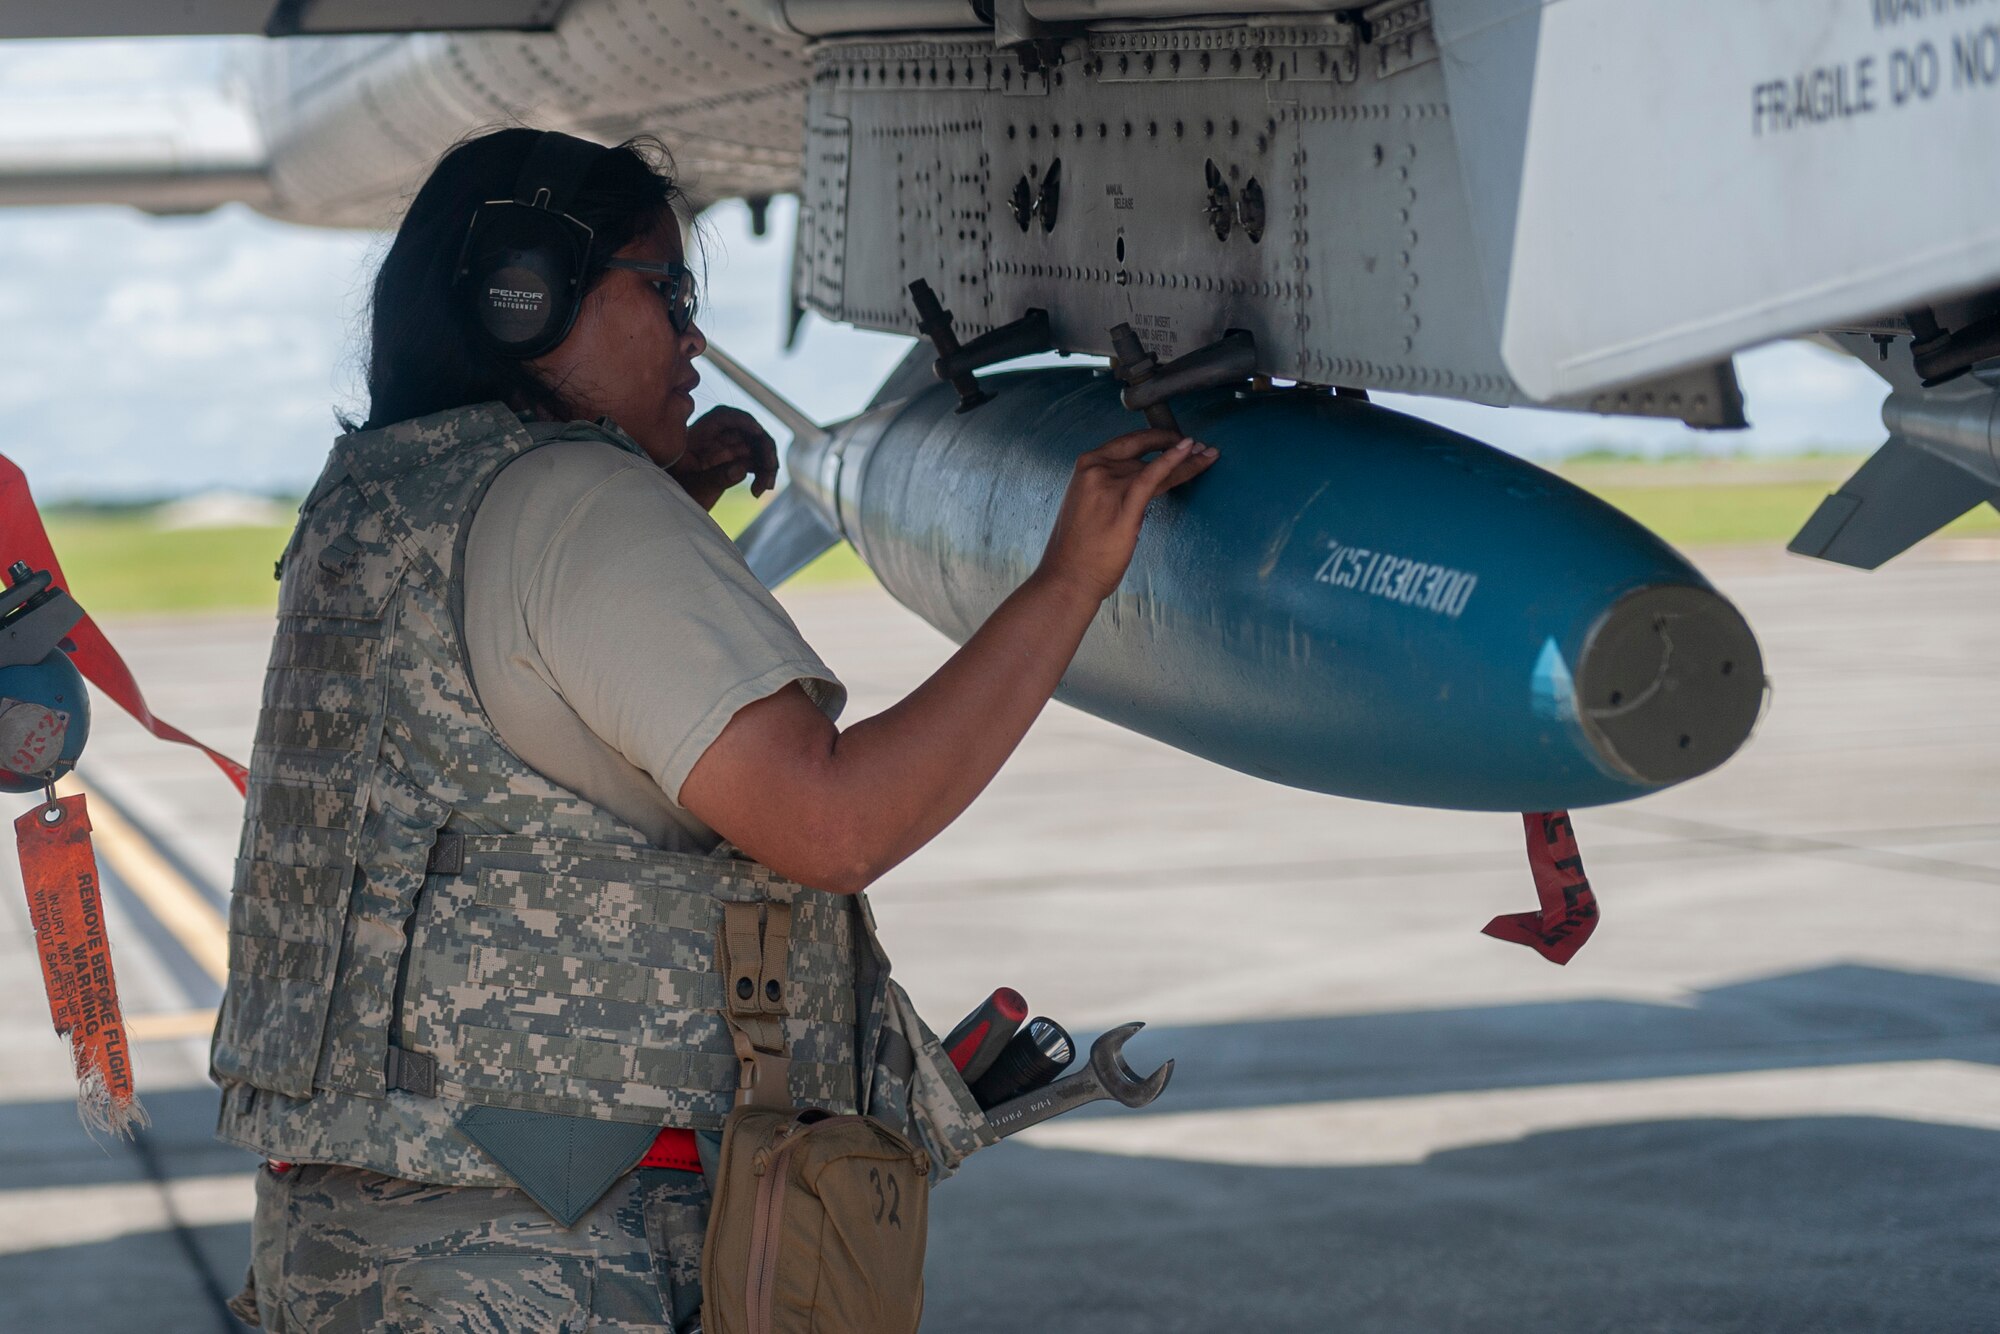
(44, 708)
(44, 721)
(1351, 600)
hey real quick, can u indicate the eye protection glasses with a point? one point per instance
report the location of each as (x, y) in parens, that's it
(674, 284)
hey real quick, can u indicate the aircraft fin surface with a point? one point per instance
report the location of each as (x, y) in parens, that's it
(913, 375)
(1900, 496)
(784, 538)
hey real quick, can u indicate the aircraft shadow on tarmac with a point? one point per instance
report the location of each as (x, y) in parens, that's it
(1840, 1014)
(1806, 1223)
(1752, 1224)
(1800, 1224)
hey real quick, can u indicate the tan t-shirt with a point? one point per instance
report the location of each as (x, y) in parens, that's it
(613, 629)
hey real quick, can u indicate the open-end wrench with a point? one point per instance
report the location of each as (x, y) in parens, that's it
(1107, 1076)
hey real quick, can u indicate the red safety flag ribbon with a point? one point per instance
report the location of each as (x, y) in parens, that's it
(24, 538)
(58, 867)
(1569, 909)
(67, 912)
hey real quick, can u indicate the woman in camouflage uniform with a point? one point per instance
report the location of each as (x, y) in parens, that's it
(523, 688)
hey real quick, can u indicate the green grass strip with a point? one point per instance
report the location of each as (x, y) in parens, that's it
(1763, 512)
(119, 564)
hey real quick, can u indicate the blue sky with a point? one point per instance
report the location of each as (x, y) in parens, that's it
(158, 356)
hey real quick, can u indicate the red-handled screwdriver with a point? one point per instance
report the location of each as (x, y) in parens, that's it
(981, 1035)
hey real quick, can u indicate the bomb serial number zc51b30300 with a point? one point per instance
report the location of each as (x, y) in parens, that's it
(1413, 583)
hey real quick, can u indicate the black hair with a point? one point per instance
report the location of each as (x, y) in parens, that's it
(422, 355)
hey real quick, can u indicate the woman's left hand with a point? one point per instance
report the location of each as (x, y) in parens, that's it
(723, 448)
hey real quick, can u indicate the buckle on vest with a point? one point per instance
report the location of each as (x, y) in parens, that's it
(338, 556)
(764, 1078)
(447, 855)
(753, 954)
(411, 1072)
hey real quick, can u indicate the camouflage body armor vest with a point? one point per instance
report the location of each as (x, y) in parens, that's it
(423, 930)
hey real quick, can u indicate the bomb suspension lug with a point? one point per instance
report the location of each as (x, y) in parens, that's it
(1149, 384)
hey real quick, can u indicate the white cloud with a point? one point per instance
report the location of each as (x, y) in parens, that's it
(166, 355)
(143, 301)
(157, 64)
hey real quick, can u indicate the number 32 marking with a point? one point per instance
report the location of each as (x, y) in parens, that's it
(888, 1197)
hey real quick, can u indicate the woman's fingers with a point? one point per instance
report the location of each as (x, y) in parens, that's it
(728, 437)
(767, 463)
(1154, 474)
(1132, 444)
(1102, 512)
(1174, 465)
(1127, 463)
(758, 452)
(1189, 468)
(1186, 459)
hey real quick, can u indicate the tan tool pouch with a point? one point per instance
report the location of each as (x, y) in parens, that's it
(817, 1226)
(818, 1220)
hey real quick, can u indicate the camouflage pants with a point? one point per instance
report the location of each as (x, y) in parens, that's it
(336, 1250)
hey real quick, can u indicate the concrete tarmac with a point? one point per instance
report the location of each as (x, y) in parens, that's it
(1765, 1097)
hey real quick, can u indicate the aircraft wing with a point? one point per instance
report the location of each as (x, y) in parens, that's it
(273, 18)
(175, 154)
(191, 153)
(345, 129)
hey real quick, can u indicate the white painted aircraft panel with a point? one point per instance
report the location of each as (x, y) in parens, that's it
(1703, 175)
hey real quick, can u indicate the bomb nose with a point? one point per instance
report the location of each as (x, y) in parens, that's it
(1670, 683)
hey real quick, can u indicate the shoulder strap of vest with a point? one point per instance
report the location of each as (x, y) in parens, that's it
(332, 474)
(603, 430)
(424, 477)
(421, 443)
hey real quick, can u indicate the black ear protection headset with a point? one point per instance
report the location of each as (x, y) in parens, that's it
(521, 269)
